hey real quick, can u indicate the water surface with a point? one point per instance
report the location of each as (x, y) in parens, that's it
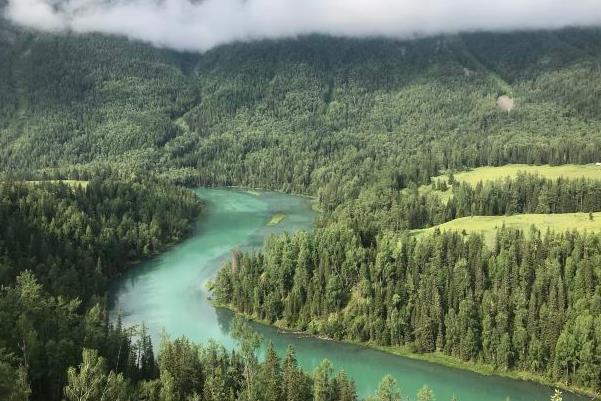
(169, 293)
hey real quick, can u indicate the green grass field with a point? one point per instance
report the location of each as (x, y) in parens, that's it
(488, 225)
(276, 219)
(484, 174)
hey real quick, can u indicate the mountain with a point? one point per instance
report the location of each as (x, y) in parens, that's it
(297, 114)
(362, 124)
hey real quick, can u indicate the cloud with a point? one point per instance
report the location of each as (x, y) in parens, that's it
(199, 25)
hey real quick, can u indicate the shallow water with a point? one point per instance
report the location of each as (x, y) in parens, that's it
(169, 293)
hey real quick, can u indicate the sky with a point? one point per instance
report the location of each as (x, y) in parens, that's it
(199, 25)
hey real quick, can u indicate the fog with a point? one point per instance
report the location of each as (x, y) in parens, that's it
(201, 25)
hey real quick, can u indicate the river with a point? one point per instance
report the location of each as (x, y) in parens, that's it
(169, 293)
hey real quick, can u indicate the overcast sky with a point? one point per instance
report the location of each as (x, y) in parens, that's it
(201, 25)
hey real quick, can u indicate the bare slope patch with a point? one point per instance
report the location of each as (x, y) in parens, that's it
(505, 103)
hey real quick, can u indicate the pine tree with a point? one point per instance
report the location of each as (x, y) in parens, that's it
(344, 388)
(249, 342)
(294, 384)
(387, 390)
(322, 386)
(425, 394)
(90, 382)
(271, 376)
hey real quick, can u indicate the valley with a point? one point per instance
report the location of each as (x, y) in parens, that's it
(435, 197)
(169, 293)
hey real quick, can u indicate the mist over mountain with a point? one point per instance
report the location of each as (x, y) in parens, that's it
(202, 25)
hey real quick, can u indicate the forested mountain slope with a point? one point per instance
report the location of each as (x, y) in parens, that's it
(299, 114)
(361, 124)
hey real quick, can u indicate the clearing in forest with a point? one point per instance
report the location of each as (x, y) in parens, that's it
(484, 174)
(488, 225)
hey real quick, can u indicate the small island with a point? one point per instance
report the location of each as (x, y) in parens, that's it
(276, 219)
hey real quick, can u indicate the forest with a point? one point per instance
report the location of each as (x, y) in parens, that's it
(362, 125)
(528, 304)
(62, 244)
(385, 209)
(76, 237)
(315, 115)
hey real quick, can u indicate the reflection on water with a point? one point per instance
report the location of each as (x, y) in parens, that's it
(224, 319)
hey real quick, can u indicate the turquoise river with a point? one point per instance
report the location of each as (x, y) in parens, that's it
(169, 293)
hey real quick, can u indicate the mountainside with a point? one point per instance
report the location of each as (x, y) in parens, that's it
(95, 131)
(298, 114)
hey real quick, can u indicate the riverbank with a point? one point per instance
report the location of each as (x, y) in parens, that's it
(191, 230)
(480, 368)
(257, 192)
(434, 358)
(168, 294)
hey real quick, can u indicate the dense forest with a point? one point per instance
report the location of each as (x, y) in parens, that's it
(532, 304)
(75, 237)
(385, 209)
(60, 245)
(312, 115)
(362, 125)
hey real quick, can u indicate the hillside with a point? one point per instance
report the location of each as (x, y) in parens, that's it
(489, 225)
(299, 114)
(105, 126)
(489, 173)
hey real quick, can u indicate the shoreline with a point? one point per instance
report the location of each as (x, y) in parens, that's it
(435, 357)
(403, 351)
(398, 351)
(263, 190)
(256, 191)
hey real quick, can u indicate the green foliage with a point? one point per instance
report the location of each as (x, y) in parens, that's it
(528, 303)
(500, 173)
(295, 384)
(13, 381)
(387, 391)
(383, 209)
(60, 244)
(91, 382)
(425, 394)
(487, 226)
(271, 376)
(46, 334)
(249, 342)
(181, 369)
(314, 115)
(361, 124)
(77, 238)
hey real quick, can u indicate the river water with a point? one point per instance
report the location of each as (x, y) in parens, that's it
(169, 293)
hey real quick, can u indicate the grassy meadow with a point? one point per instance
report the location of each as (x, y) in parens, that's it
(488, 225)
(484, 174)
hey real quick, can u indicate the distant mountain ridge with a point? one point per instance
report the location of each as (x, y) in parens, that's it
(314, 107)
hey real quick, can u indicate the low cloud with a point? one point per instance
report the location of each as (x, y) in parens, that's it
(199, 25)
